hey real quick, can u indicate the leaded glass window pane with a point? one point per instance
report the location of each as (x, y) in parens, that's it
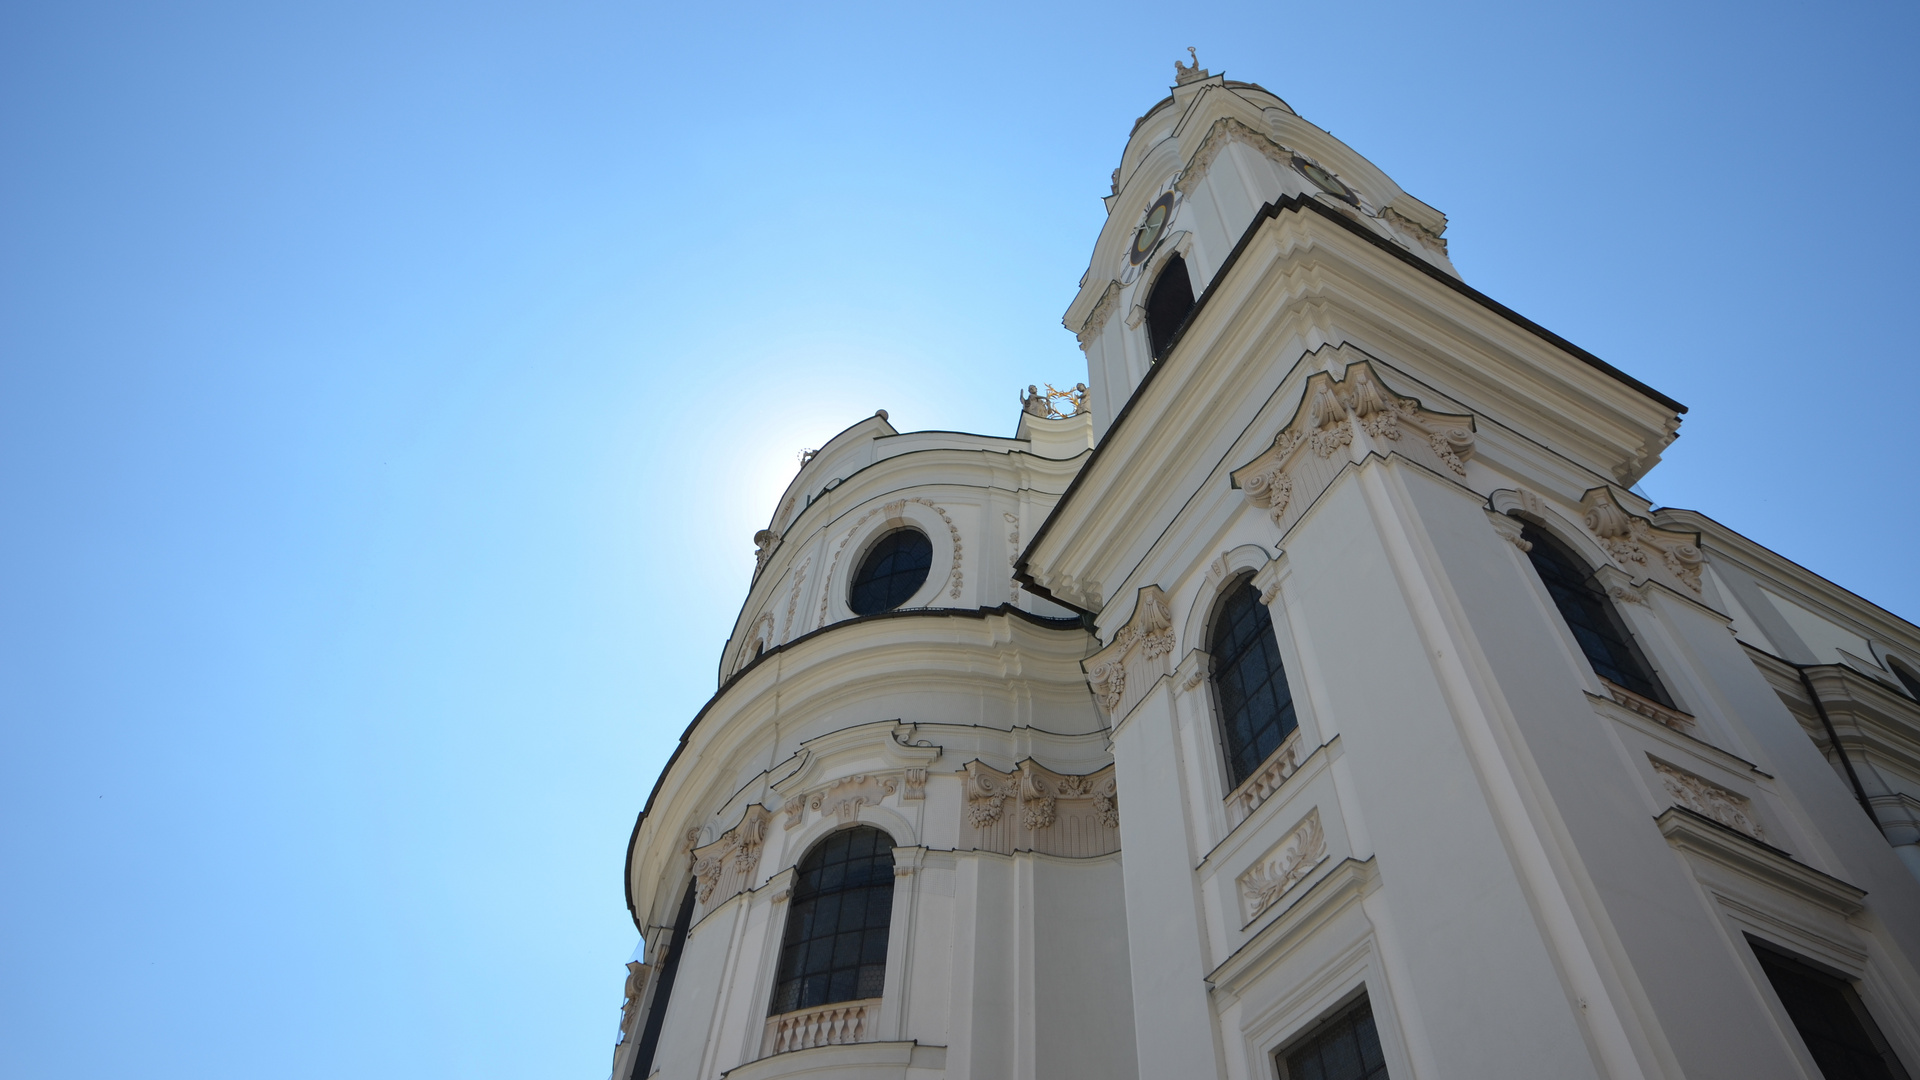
(835, 948)
(1589, 613)
(1831, 1020)
(892, 572)
(1346, 1049)
(1256, 706)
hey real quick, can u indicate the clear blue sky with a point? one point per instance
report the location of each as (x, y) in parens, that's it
(389, 393)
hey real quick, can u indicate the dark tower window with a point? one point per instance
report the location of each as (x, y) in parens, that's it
(835, 948)
(1345, 1048)
(1907, 678)
(663, 987)
(892, 572)
(1590, 615)
(1168, 305)
(1840, 1037)
(1256, 707)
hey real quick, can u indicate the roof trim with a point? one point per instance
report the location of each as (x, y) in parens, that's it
(633, 839)
(1272, 210)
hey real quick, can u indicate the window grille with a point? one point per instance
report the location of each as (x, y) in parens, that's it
(835, 947)
(1345, 1048)
(1590, 614)
(892, 572)
(1833, 1023)
(1250, 686)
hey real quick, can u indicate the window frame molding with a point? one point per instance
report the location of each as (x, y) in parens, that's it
(1644, 629)
(910, 858)
(1199, 701)
(1756, 892)
(858, 562)
(883, 518)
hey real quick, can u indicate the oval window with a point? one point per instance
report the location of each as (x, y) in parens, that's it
(892, 572)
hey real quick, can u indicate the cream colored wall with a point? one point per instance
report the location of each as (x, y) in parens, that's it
(1528, 872)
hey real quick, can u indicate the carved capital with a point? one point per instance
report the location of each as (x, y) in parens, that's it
(727, 866)
(1037, 809)
(1121, 673)
(1509, 529)
(1638, 545)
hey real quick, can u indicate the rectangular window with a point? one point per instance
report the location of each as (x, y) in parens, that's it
(1833, 1023)
(1346, 1047)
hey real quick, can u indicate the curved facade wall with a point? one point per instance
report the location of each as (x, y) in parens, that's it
(1470, 846)
(960, 725)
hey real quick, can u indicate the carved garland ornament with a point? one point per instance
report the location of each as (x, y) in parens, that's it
(1300, 462)
(1284, 865)
(793, 597)
(892, 510)
(1633, 541)
(1708, 799)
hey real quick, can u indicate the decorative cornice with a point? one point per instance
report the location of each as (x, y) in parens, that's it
(1063, 587)
(1706, 838)
(1301, 461)
(1346, 883)
(1427, 238)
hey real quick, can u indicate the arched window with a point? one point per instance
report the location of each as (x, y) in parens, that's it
(1168, 305)
(1256, 707)
(835, 948)
(1590, 615)
(892, 572)
(1907, 678)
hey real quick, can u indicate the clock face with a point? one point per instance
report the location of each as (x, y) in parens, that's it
(1323, 179)
(1151, 229)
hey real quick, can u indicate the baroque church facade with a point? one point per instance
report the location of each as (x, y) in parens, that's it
(1312, 698)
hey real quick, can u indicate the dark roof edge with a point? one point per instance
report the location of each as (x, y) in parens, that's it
(1267, 213)
(633, 839)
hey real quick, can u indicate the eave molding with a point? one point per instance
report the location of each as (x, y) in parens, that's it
(1702, 837)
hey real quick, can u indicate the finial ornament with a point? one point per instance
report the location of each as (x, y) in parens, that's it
(1182, 74)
